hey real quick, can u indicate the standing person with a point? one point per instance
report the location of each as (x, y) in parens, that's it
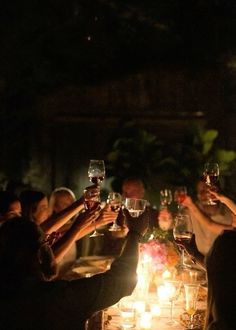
(57, 305)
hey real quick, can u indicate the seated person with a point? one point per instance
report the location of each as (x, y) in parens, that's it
(208, 220)
(10, 206)
(221, 270)
(38, 303)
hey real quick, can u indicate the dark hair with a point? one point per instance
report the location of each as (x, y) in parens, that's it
(29, 200)
(6, 199)
(22, 253)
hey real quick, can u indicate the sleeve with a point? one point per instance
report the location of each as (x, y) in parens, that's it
(121, 279)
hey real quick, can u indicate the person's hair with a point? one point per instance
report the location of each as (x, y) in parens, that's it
(6, 199)
(29, 201)
(131, 180)
(63, 191)
(23, 254)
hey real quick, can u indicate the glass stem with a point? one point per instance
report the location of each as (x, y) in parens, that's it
(171, 310)
(182, 257)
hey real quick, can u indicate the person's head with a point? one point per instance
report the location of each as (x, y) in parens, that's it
(34, 205)
(133, 188)
(23, 253)
(10, 206)
(60, 199)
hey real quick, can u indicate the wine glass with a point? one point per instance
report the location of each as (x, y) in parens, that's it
(182, 232)
(165, 197)
(135, 206)
(180, 195)
(172, 289)
(211, 173)
(191, 295)
(114, 199)
(96, 171)
(92, 201)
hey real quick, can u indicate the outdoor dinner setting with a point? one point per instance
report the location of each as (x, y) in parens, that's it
(118, 165)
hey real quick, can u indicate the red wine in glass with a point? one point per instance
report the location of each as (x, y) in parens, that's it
(96, 171)
(96, 179)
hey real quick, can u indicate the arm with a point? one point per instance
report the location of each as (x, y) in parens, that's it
(56, 221)
(225, 200)
(211, 225)
(77, 230)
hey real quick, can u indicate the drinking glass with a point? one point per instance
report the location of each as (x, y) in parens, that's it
(182, 232)
(191, 295)
(127, 312)
(172, 289)
(180, 195)
(96, 171)
(114, 199)
(211, 173)
(91, 201)
(135, 206)
(165, 197)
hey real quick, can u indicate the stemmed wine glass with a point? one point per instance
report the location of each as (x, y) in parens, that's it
(96, 171)
(114, 199)
(96, 174)
(211, 176)
(179, 195)
(165, 197)
(182, 232)
(191, 295)
(135, 206)
(92, 201)
(172, 288)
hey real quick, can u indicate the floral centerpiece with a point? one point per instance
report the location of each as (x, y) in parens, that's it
(158, 255)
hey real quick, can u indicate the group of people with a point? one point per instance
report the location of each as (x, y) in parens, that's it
(38, 236)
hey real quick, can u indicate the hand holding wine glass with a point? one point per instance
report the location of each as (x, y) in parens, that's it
(211, 177)
(165, 197)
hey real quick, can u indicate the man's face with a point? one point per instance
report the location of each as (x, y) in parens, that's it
(133, 190)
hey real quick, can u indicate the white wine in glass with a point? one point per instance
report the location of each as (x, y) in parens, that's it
(135, 206)
(182, 232)
(191, 295)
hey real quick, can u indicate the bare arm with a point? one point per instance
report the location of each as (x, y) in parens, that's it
(56, 221)
(195, 212)
(82, 225)
(225, 200)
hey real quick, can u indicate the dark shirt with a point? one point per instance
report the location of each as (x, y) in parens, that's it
(221, 272)
(63, 305)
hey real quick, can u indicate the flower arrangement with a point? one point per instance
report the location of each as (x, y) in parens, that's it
(158, 245)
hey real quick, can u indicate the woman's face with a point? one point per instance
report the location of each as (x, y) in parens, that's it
(13, 211)
(41, 212)
(62, 201)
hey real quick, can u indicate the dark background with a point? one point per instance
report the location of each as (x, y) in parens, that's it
(72, 72)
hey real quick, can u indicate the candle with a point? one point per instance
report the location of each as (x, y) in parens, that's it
(155, 310)
(140, 306)
(145, 322)
(166, 274)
